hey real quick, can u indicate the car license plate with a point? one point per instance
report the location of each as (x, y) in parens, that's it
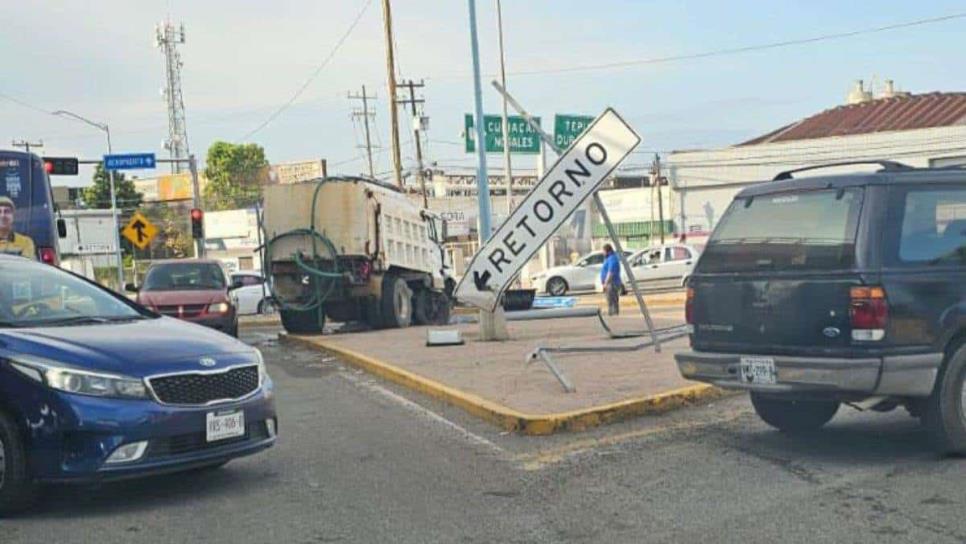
(223, 425)
(758, 370)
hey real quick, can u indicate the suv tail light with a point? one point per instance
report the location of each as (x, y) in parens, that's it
(869, 312)
(689, 307)
(47, 255)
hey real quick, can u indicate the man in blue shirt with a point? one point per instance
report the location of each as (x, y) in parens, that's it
(610, 277)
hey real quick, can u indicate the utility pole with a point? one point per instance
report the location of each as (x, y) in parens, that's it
(656, 176)
(393, 110)
(506, 121)
(27, 145)
(167, 38)
(417, 125)
(366, 115)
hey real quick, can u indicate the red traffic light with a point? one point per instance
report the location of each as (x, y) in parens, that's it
(60, 166)
(197, 224)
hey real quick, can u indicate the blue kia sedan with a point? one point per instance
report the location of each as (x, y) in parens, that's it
(94, 387)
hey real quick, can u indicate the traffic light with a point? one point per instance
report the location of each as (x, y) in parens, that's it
(60, 166)
(197, 224)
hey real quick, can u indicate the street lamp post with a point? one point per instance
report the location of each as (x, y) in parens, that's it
(492, 324)
(110, 177)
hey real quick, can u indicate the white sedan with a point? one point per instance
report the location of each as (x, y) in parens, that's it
(661, 266)
(580, 276)
(251, 294)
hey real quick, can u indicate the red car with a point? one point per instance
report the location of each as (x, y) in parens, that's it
(193, 290)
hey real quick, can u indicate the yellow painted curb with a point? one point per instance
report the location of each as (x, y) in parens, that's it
(508, 418)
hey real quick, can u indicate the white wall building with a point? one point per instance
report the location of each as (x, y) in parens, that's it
(89, 243)
(232, 237)
(918, 130)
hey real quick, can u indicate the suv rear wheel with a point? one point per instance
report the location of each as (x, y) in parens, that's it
(17, 491)
(945, 412)
(794, 416)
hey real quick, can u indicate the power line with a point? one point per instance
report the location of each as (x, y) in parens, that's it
(376, 150)
(739, 50)
(315, 74)
(23, 103)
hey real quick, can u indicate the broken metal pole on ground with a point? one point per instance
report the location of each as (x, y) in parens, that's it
(543, 353)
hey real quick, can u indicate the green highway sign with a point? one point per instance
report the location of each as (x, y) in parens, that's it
(523, 139)
(566, 128)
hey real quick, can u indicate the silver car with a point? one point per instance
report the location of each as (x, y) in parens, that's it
(580, 276)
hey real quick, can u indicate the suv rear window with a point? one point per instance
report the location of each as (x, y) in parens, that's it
(812, 230)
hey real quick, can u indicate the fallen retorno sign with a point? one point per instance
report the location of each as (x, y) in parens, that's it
(576, 175)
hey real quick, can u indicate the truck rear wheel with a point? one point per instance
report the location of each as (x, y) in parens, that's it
(945, 411)
(303, 321)
(430, 308)
(397, 303)
(794, 416)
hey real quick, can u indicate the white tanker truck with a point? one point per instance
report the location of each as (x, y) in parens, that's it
(354, 249)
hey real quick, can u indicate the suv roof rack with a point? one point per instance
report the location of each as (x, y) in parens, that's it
(888, 166)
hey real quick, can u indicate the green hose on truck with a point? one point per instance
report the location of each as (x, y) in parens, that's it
(311, 313)
(357, 250)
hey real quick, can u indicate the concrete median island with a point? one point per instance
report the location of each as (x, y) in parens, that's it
(492, 380)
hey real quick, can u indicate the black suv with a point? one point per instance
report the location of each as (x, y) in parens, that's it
(838, 289)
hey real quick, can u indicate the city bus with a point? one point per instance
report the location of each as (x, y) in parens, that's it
(27, 217)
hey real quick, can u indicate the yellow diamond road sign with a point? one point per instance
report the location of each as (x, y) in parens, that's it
(139, 231)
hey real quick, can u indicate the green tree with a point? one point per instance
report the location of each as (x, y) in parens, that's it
(98, 195)
(235, 173)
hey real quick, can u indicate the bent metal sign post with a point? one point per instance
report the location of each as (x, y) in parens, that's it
(575, 176)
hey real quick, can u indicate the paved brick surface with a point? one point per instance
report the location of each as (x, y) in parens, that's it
(497, 371)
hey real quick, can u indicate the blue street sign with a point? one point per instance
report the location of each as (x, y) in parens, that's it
(129, 161)
(554, 302)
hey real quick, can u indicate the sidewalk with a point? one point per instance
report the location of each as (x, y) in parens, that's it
(493, 380)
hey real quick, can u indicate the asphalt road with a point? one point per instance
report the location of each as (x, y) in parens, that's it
(362, 461)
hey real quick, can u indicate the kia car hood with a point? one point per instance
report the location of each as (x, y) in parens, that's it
(135, 348)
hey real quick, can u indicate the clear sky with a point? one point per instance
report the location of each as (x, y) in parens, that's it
(245, 58)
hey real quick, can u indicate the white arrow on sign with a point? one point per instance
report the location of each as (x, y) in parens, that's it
(576, 175)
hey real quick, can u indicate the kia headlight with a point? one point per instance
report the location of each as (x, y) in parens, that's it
(80, 382)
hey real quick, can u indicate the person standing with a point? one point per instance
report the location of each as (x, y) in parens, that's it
(610, 277)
